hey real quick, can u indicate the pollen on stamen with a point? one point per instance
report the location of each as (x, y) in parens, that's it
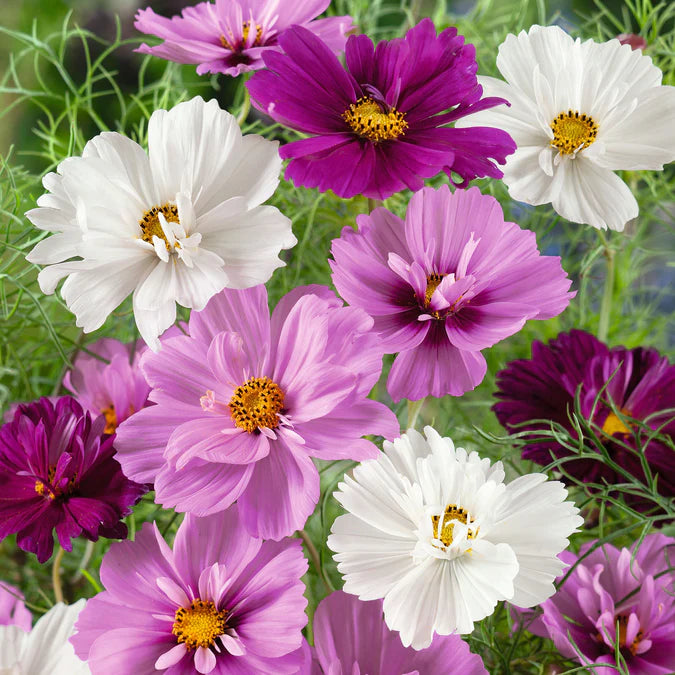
(199, 624)
(256, 404)
(443, 526)
(573, 132)
(245, 30)
(150, 225)
(367, 119)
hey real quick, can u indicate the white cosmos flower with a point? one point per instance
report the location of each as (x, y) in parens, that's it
(45, 650)
(579, 111)
(438, 534)
(177, 224)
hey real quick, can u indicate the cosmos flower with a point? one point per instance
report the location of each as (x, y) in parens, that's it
(351, 636)
(637, 383)
(45, 649)
(221, 38)
(58, 473)
(616, 600)
(451, 280)
(247, 398)
(579, 112)
(175, 225)
(13, 611)
(379, 125)
(221, 601)
(113, 387)
(437, 533)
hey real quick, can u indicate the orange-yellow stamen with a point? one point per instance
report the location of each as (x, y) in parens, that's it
(446, 524)
(245, 30)
(613, 424)
(256, 403)
(573, 132)
(110, 419)
(367, 119)
(150, 225)
(199, 624)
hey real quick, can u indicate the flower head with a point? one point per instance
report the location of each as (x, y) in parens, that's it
(231, 36)
(112, 384)
(614, 385)
(13, 611)
(579, 112)
(45, 649)
(380, 124)
(451, 280)
(220, 601)
(351, 637)
(437, 533)
(59, 473)
(616, 600)
(175, 225)
(246, 400)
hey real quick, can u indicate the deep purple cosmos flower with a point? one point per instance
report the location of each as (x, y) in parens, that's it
(616, 600)
(231, 36)
(113, 387)
(221, 601)
(638, 382)
(246, 400)
(453, 279)
(13, 611)
(380, 125)
(350, 636)
(58, 473)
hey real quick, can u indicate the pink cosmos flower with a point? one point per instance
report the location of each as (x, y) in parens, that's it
(246, 400)
(13, 611)
(114, 387)
(451, 280)
(351, 636)
(231, 36)
(221, 601)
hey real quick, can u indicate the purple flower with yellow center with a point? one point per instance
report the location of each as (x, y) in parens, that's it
(221, 601)
(351, 636)
(616, 601)
(58, 472)
(451, 280)
(246, 400)
(231, 36)
(109, 383)
(615, 386)
(380, 125)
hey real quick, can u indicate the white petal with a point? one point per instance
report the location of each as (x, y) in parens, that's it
(13, 641)
(151, 323)
(593, 195)
(525, 179)
(56, 248)
(196, 285)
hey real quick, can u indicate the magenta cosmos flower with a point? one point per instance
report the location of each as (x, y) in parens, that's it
(616, 600)
(350, 636)
(58, 473)
(453, 279)
(13, 611)
(111, 385)
(640, 384)
(231, 36)
(379, 125)
(221, 601)
(246, 400)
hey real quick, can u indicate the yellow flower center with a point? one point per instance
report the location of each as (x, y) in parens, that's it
(52, 491)
(245, 30)
(110, 419)
(622, 620)
(367, 119)
(573, 132)
(256, 404)
(150, 225)
(199, 624)
(613, 424)
(443, 527)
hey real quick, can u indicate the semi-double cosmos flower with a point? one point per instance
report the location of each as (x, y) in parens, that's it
(380, 125)
(451, 280)
(350, 636)
(231, 36)
(615, 386)
(221, 601)
(616, 601)
(245, 401)
(175, 225)
(436, 532)
(579, 112)
(58, 472)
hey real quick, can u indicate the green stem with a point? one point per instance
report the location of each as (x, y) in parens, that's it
(608, 294)
(245, 107)
(56, 575)
(373, 204)
(414, 409)
(316, 561)
(88, 552)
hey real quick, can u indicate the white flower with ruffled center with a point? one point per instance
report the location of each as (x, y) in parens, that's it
(437, 533)
(579, 111)
(175, 225)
